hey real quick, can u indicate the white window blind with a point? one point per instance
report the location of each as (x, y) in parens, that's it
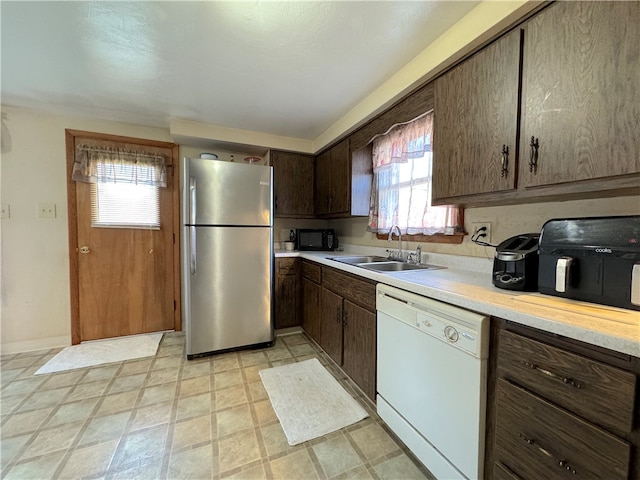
(125, 205)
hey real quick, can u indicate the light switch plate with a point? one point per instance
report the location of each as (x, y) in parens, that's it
(46, 210)
(5, 211)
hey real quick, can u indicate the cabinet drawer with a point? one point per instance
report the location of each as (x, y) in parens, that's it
(500, 472)
(358, 291)
(591, 389)
(535, 439)
(311, 271)
(288, 266)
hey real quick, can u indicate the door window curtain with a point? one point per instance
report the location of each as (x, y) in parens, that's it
(116, 165)
(401, 193)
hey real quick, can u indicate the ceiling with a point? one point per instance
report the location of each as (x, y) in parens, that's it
(282, 68)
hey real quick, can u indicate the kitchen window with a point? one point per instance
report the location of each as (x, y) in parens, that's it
(401, 193)
(124, 186)
(125, 205)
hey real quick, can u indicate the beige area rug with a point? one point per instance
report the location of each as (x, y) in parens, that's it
(97, 352)
(308, 401)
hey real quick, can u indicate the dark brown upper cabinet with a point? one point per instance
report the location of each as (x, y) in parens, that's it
(333, 180)
(581, 83)
(475, 120)
(578, 119)
(343, 181)
(293, 184)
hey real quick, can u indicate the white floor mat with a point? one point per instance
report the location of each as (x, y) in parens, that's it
(308, 401)
(97, 352)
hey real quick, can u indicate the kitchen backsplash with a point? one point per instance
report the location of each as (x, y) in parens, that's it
(506, 221)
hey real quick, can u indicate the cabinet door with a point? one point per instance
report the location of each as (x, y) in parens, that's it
(340, 193)
(323, 183)
(331, 324)
(293, 184)
(287, 303)
(475, 122)
(359, 361)
(580, 92)
(311, 309)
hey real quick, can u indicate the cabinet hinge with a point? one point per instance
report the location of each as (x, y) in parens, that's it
(175, 304)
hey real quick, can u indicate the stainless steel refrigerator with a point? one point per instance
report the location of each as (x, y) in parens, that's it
(227, 255)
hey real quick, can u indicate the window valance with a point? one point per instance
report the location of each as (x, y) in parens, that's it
(403, 142)
(115, 165)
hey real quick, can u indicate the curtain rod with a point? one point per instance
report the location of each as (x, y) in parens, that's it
(87, 148)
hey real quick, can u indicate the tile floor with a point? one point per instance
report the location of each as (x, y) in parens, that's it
(166, 417)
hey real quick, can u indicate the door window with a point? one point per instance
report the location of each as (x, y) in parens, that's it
(125, 205)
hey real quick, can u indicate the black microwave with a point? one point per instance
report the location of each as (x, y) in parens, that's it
(320, 239)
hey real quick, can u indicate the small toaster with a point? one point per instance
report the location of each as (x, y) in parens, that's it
(515, 266)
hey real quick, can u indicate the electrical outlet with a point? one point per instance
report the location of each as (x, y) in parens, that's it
(46, 210)
(478, 228)
(5, 211)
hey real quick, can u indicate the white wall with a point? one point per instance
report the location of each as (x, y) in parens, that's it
(506, 221)
(35, 299)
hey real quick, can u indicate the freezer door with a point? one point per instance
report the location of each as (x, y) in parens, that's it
(227, 287)
(226, 193)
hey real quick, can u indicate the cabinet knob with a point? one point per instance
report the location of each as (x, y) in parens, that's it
(533, 158)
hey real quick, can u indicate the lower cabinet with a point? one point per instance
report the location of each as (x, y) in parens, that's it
(348, 326)
(563, 409)
(339, 313)
(311, 275)
(359, 347)
(331, 324)
(287, 305)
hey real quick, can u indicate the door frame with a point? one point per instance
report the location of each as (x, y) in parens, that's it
(72, 214)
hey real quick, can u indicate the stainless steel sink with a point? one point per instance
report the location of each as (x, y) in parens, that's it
(383, 264)
(396, 266)
(361, 259)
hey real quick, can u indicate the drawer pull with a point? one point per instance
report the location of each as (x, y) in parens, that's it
(566, 380)
(561, 463)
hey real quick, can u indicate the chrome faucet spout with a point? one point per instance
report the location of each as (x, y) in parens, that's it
(396, 227)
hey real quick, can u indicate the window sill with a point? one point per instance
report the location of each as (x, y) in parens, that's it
(454, 239)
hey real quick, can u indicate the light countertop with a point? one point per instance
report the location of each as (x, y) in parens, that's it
(466, 282)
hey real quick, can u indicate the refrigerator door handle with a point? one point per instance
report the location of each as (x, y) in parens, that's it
(192, 200)
(192, 247)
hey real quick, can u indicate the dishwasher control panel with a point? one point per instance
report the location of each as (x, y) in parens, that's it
(462, 329)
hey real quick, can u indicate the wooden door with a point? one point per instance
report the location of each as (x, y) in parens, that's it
(311, 309)
(293, 184)
(359, 358)
(331, 324)
(475, 119)
(124, 281)
(580, 92)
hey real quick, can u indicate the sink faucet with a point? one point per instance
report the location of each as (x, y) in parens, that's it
(396, 227)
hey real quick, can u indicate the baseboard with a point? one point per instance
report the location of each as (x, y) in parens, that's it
(288, 331)
(34, 345)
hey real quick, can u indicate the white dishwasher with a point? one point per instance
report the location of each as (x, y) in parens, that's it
(432, 375)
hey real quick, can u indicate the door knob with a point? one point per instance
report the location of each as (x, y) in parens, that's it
(84, 249)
